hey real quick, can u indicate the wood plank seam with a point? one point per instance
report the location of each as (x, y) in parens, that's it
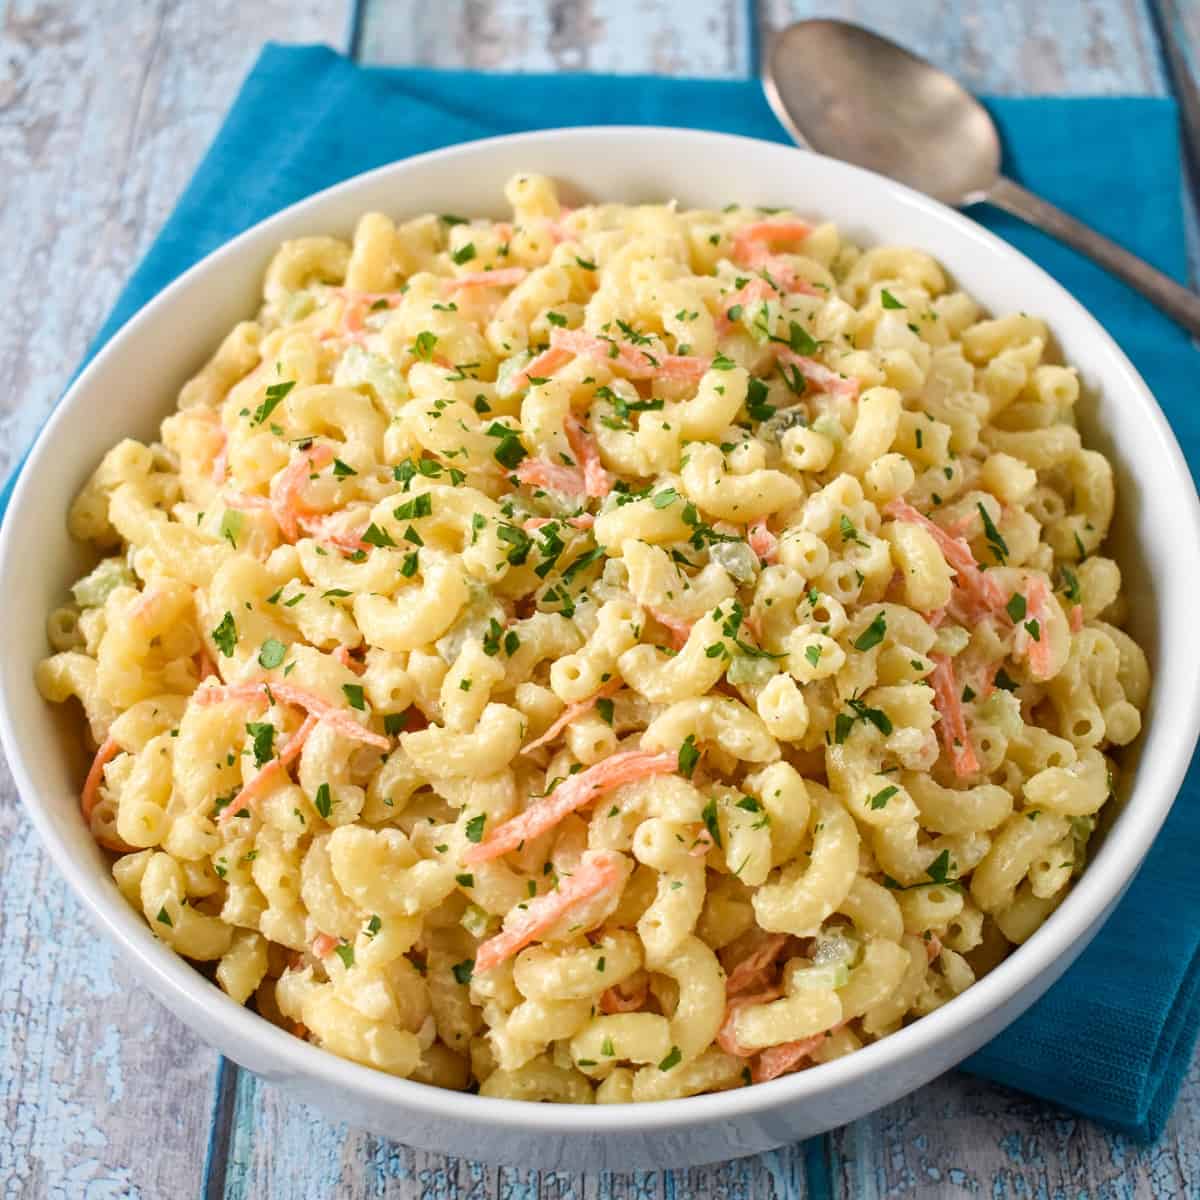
(224, 1105)
(1183, 82)
(220, 1132)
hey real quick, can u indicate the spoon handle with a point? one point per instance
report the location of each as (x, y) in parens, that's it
(1175, 300)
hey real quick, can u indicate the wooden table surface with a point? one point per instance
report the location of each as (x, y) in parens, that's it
(105, 108)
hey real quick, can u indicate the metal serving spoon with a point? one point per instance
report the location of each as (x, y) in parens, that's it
(851, 94)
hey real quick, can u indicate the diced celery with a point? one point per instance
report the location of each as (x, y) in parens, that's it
(834, 976)
(474, 920)
(93, 589)
(830, 428)
(358, 366)
(509, 369)
(298, 306)
(737, 558)
(747, 670)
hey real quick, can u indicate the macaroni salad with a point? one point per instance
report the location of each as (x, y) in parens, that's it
(609, 654)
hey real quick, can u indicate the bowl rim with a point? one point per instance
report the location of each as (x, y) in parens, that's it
(1091, 898)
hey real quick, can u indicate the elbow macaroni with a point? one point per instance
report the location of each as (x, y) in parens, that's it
(748, 580)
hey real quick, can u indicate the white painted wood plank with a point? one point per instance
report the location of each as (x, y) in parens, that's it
(1013, 47)
(105, 109)
(961, 1136)
(92, 1071)
(273, 1134)
(704, 38)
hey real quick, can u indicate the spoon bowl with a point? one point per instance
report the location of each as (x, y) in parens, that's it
(848, 93)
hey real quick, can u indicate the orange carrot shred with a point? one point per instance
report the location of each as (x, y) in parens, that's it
(338, 719)
(614, 999)
(574, 792)
(597, 481)
(95, 776)
(953, 725)
(727, 1034)
(573, 712)
(264, 778)
(597, 872)
(787, 1056)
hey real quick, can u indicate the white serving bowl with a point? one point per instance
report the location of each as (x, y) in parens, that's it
(132, 385)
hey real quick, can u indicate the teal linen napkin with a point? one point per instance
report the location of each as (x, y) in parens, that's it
(1113, 1039)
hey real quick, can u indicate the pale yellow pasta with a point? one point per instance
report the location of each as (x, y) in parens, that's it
(603, 655)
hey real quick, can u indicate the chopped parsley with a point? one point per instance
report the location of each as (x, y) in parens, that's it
(275, 394)
(709, 814)
(374, 536)
(873, 634)
(880, 799)
(354, 696)
(995, 542)
(689, 756)
(225, 635)
(323, 801)
(422, 347)
(271, 654)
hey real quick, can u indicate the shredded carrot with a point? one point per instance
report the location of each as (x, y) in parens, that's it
(762, 541)
(953, 725)
(345, 656)
(352, 316)
(323, 945)
(702, 845)
(933, 946)
(574, 792)
(1076, 616)
(754, 968)
(979, 587)
(338, 719)
(320, 529)
(95, 777)
(634, 361)
(727, 1035)
(205, 665)
(538, 473)
(677, 627)
(265, 778)
(287, 485)
(245, 500)
(615, 1001)
(504, 277)
(823, 377)
(597, 481)
(787, 1056)
(220, 463)
(754, 292)
(543, 366)
(750, 241)
(573, 712)
(368, 297)
(580, 521)
(598, 871)
(1036, 649)
(145, 605)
